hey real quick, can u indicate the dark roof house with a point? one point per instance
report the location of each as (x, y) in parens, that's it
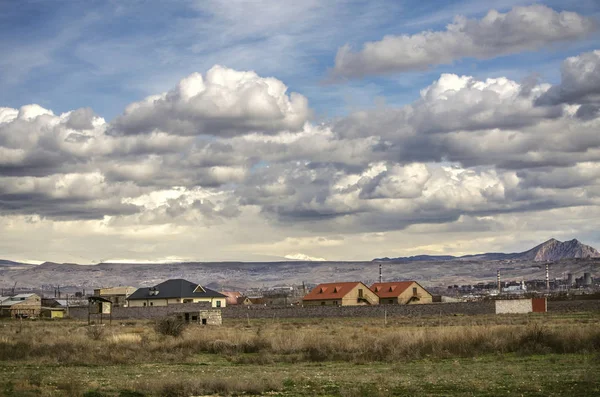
(174, 289)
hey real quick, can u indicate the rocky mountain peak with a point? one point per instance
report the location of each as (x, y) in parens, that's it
(554, 250)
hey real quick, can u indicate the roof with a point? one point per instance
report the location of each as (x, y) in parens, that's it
(177, 288)
(391, 290)
(94, 299)
(232, 296)
(331, 291)
(22, 296)
(16, 299)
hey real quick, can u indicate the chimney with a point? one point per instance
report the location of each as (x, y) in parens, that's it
(380, 275)
(547, 277)
(498, 281)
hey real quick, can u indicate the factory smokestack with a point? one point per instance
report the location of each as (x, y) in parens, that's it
(498, 280)
(380, 274)
(547, 276)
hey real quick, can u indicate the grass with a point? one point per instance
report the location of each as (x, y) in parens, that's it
(528, 355)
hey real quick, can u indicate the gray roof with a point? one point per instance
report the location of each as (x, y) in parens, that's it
(177, 288)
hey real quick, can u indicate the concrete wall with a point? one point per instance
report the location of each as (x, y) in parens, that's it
(148, 312)
(513, 306)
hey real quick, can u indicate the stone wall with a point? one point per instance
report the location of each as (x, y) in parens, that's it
(574, 306)
(258, 311)
(204, 317)
(434, 309)
(148, 312)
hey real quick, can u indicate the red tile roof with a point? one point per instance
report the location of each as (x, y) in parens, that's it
(331, 291)
(391, 290)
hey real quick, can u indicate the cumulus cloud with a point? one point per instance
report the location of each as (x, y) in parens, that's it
(224, 102)
(466, 148)
(580, 84)
(496, 34)
(475, 122)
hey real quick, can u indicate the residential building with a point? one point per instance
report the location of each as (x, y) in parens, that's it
(21, 305)
(341, 294)
(117, 295)
(232, 297)
(174, 292)
(401, 292)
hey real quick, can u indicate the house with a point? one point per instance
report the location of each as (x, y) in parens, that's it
(117, 295)
(232, 297)
(174, 292)
(21, 305)
(244, 300)
(401, 292)
(341, 294)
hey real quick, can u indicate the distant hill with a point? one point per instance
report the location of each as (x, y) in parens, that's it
(551, 250)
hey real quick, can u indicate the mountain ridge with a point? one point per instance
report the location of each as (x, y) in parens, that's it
(550, 250)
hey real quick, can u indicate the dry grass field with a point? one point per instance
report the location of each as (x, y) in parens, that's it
(530, 355)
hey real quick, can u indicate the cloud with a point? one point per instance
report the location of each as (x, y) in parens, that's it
(466, 148)
(580, 84)
(496, 34)
(225, 102)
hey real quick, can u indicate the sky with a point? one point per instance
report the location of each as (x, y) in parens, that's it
(267, 130)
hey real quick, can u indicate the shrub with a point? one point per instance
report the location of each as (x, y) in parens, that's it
(93, 393)
(94, 332)
(170, 327)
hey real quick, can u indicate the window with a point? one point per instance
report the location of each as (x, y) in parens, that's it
(415, 291)
(151, 303)
(218, 303)
(336, 303)
(194, 318)
(144, 303)
(188, 300)
(391, 301)
(322, 303)
(360, 293)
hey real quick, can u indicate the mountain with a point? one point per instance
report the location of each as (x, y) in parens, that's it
(551, 250)
(554, 250)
